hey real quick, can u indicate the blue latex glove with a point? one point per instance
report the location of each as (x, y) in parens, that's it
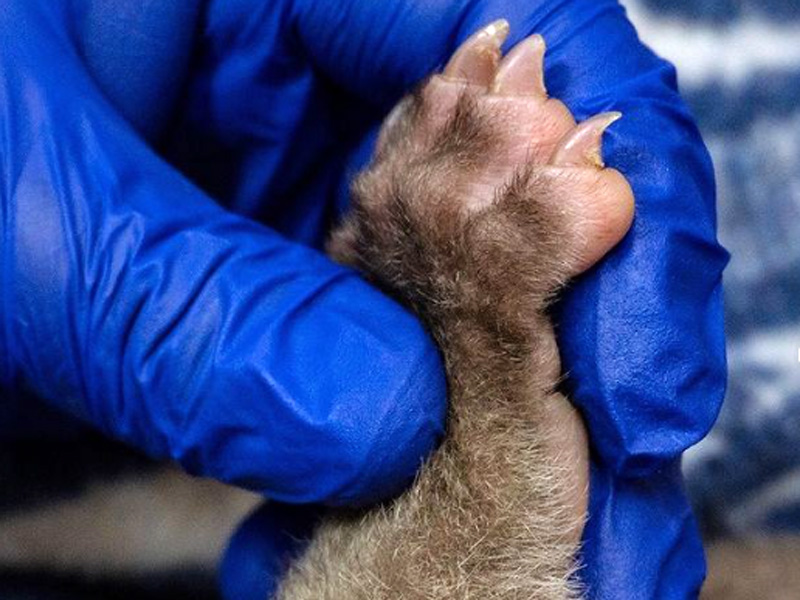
(130, 300)
(145, 288)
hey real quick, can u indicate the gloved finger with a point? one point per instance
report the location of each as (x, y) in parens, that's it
(224, 94)
(138, 53)
(257, 127)
(641, 539)
(263, 548)
(131, 300)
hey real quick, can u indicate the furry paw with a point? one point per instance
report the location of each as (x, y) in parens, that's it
(484, 191)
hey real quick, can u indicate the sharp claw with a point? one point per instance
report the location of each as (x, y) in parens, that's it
(582, 147)
(522, 71)
(476, 59)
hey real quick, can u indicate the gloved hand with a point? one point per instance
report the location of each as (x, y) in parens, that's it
(129, 299)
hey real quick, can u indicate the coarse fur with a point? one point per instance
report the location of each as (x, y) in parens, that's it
(488, 516)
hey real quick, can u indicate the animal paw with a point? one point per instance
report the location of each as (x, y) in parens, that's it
(484, 190)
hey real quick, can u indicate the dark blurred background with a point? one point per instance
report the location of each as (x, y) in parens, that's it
(739, 68)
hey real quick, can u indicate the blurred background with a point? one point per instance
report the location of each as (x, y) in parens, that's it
(739, 68)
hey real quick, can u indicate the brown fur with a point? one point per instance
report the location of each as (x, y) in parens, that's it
(488, 516)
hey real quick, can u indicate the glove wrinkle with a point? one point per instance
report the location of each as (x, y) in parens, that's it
(130, 274)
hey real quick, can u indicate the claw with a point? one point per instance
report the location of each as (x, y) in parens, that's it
(476, 59)
(582, 147)
(522, 71)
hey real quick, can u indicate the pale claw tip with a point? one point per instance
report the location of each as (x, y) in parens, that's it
(477, 58)
(522, 71)
(582, 147)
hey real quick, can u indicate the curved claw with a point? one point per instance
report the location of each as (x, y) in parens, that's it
(582, 147)
(477, 58)
(522, 71)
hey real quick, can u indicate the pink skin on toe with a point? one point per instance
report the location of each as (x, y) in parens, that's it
(541, 131)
